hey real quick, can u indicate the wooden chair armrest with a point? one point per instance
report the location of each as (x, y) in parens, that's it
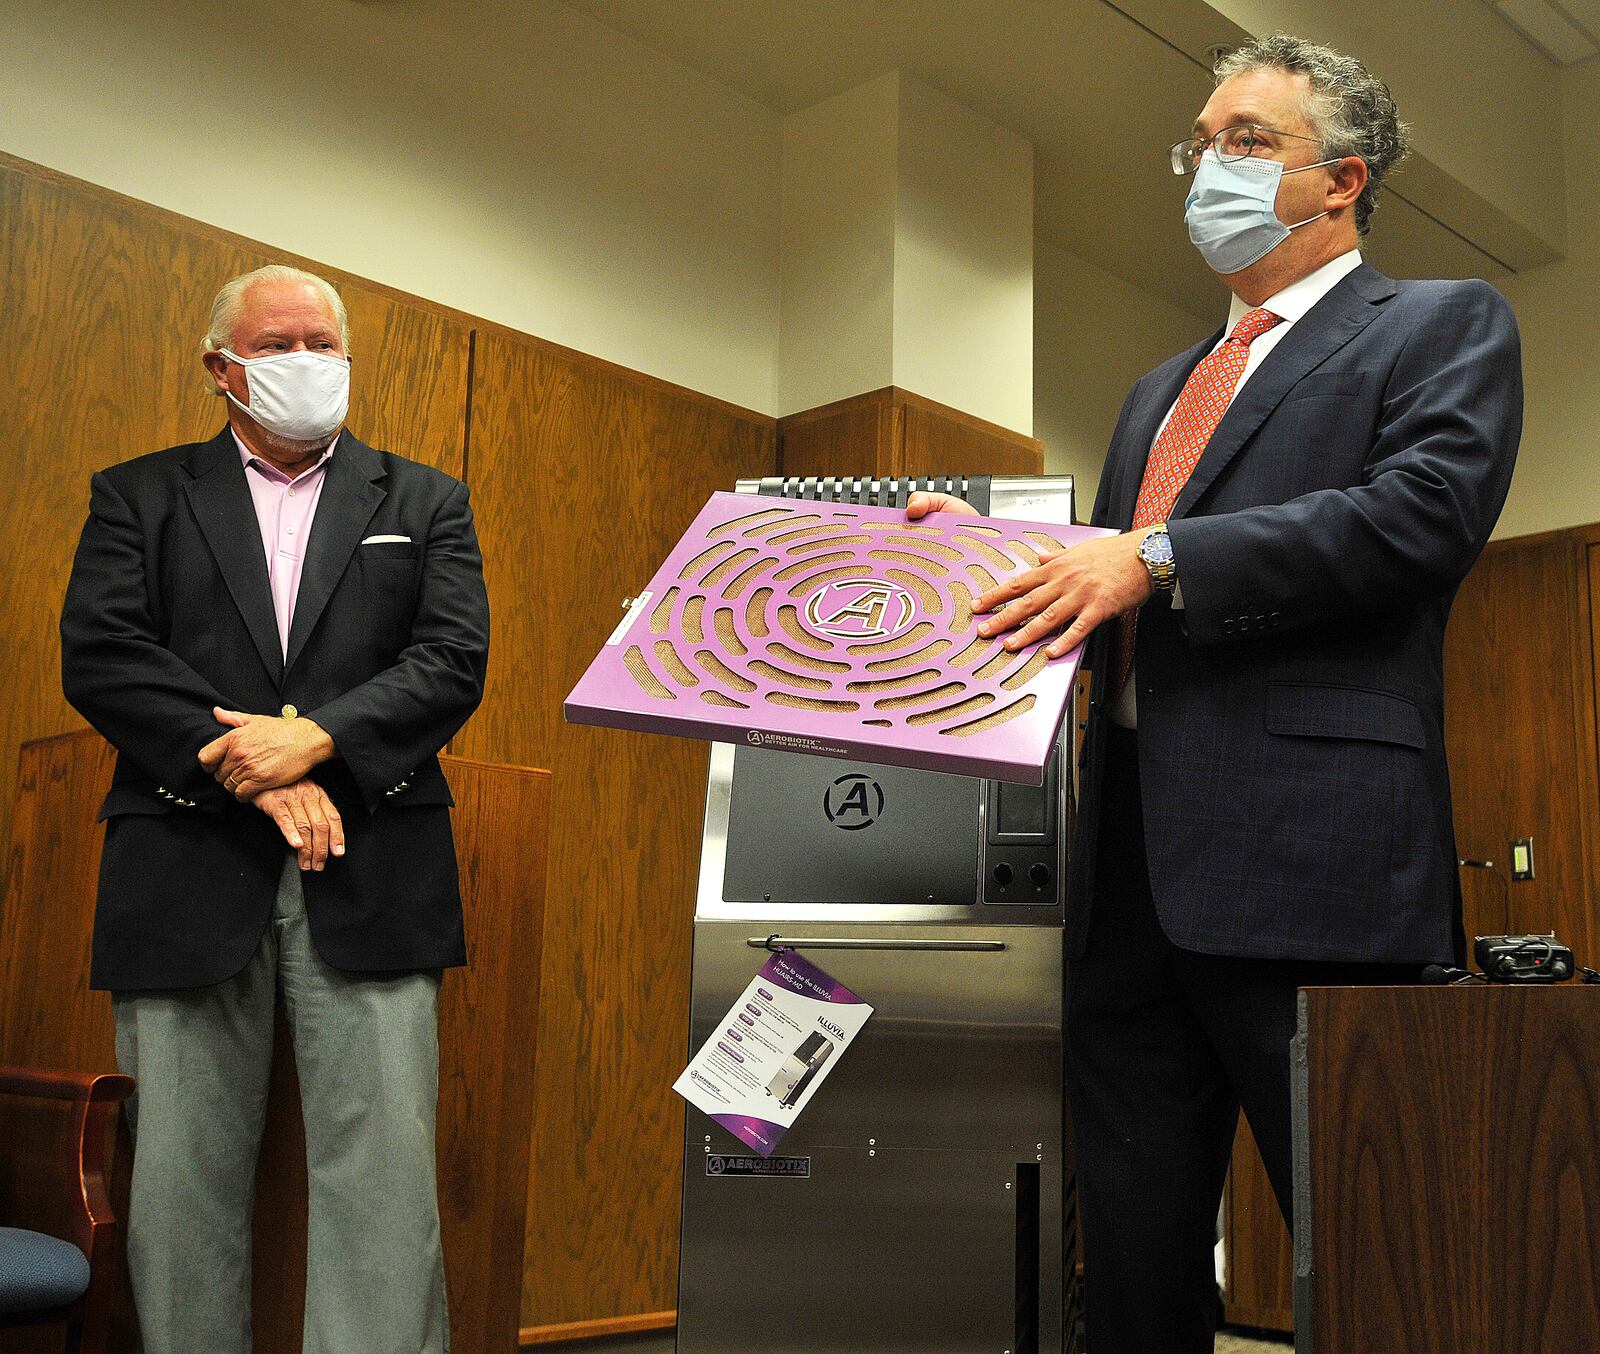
(95, 1087)
(56, 1130)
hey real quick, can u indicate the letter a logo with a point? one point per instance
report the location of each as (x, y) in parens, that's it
(860, 608)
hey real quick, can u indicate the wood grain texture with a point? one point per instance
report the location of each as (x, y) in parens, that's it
(938, 440)
(488, 1026)
(1258, 1286)
(104, 300)
(583, 478)
(1455, 1187)
(56, 1128)
(895, 432)
(1520, 704)
(857, 436)
(570, 1331)
(1519, 731)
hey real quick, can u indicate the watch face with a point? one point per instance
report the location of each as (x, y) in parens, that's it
(1156, 548)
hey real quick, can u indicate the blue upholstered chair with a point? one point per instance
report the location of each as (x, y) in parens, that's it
(58, 1238)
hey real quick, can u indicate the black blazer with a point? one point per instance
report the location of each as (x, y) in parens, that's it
(1291, 714)
(168, 613)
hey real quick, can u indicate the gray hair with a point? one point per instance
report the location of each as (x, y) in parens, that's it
(1349, 108)
(229, 303)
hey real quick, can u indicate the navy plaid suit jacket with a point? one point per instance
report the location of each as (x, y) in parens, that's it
(1291, 715)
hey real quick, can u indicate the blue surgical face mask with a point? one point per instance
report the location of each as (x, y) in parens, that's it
(1231, 211)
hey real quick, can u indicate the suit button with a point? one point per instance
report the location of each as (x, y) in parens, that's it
(289, 712)
(1228, 626)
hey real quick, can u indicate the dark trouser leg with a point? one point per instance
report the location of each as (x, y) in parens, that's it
(1153, 1113)
(1247, 1008)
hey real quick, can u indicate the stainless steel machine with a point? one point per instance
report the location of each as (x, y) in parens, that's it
(919, 1204)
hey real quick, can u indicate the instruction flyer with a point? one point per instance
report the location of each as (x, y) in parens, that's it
(764, 1062)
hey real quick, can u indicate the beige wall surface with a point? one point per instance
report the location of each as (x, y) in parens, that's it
(1093, 337)
(1558, 307)
(1480, 96)
(836, 336)
(907, 253)
(536, 168)
(963, 266)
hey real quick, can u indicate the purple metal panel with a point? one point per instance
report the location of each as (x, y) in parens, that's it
(839, 630)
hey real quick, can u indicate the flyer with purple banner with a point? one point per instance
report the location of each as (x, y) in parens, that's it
(764, 1062)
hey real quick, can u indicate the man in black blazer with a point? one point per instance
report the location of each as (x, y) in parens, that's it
(278, 630)
(1266, 803)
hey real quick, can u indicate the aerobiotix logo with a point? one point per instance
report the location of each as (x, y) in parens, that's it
(853, 802)
(860, 608)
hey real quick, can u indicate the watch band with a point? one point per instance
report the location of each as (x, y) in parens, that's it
(1156, 552)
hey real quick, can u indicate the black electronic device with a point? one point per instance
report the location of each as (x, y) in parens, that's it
(1523, 959)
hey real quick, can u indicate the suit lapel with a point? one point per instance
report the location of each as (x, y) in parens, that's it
(350, 495)
(1131, 456)
(1337, 318)
(220, 499)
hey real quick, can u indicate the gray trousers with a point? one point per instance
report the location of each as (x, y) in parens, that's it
(367, 1053)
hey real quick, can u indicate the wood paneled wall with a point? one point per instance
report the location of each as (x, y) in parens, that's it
(1521, 702)
(103, 302)
(894, 432)
(50, 1018)
(583, 474)
(1520, 726)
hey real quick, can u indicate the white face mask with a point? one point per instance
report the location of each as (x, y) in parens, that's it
(302, 396)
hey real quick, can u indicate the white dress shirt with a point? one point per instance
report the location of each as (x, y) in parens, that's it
(1289, 305)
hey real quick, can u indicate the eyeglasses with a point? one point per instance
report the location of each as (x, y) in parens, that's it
(1231, 143)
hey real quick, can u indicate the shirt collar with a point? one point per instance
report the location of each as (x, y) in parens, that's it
(1297, 298)
(248, 458)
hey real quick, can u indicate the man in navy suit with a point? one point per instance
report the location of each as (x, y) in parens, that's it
(1266, 799)
(278, 629)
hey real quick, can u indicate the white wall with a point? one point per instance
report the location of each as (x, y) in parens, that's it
(1557, 482)
(536, 169)
(837, 333)
(1094, 335)
(907, 253)
(1481, 98)
(963, 265)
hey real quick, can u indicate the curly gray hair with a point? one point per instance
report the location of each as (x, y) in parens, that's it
(1349, 108)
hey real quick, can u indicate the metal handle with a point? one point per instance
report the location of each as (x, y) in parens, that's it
(776, 942)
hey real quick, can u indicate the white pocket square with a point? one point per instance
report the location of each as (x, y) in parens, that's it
(387, 540)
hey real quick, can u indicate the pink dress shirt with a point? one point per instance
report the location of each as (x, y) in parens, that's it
(284, 511)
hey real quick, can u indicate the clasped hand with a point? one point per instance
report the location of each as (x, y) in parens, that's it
(1073, 590)
(264, 760)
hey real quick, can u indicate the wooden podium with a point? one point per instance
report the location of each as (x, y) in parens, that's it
(1447, 1170)
(488, 1019)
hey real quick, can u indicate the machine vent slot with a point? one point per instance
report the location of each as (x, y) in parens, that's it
(995, 719)
(949, 712)
(639, 669)
(705, 558)
(903, 661)
(693, 611)
(1025, 1335)
(668, 658)
(807, 703)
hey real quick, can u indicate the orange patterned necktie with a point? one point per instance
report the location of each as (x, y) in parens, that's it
(1205, 399)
